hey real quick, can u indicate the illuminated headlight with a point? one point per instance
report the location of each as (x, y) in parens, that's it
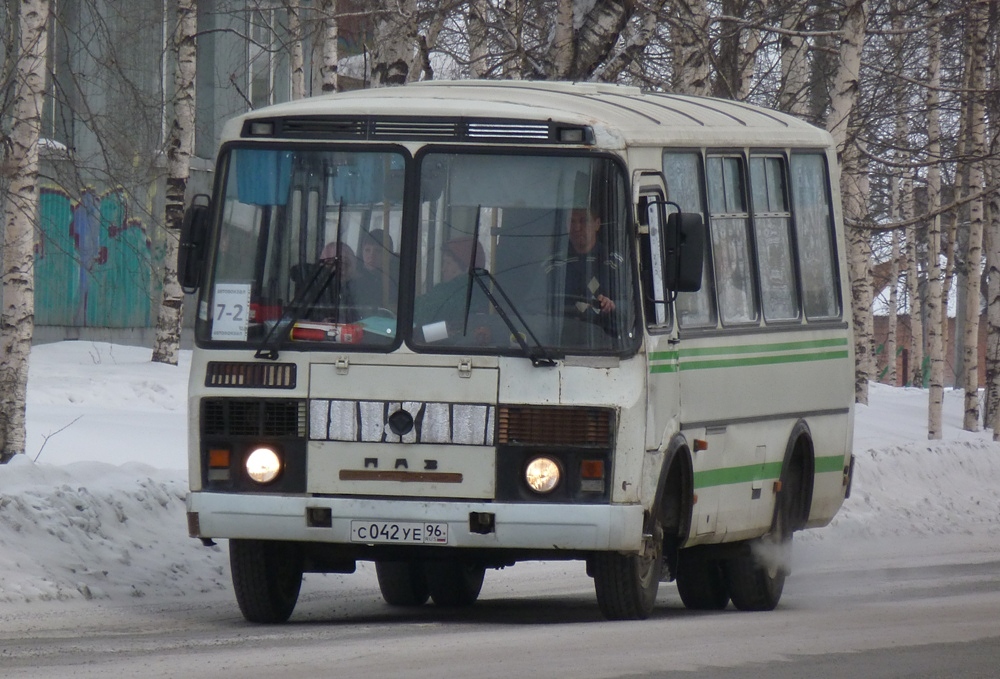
(542, 475)
(263, 465)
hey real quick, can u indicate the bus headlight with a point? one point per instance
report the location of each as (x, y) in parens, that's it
(263, 465)
(542, 475)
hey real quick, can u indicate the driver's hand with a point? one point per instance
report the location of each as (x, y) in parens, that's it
(606, 304)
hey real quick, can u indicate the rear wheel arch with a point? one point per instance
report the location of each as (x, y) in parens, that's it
(798, 473)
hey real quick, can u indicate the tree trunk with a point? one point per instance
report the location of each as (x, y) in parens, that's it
(993, 264)
(793, 95)
(328, 68)
(479, 52)
(937, 314)
(298, 71)
(691, 47)
(562, 41)
(180, 148)
(977, 148)
(916, 376)
(992, 418)
(844, 95)
(394, 50)
(17, 319)
(890, 339)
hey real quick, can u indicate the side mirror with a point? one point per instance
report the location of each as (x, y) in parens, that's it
(683, 252)
(191, 251)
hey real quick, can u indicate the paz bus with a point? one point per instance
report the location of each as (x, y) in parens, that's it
(451, 326)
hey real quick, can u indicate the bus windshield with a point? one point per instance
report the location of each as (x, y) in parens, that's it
(523, 252)
(513, 254)
(308, 247)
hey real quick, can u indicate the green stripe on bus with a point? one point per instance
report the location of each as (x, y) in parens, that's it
(831, 463)
(763, 348)
(762, 360)
(754, 472)
(730, 475)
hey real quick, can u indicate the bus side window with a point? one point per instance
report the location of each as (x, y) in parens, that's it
(729, 226)
(650, 205)
(814, 232)
(683, 172)
(772, 229)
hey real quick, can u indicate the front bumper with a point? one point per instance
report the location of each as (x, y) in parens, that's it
(517, 526)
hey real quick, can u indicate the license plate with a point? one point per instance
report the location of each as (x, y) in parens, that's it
(398, 532)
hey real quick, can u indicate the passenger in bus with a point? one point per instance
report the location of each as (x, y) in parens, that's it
(440, 312)
(584, 276)
(336, 300)
(377, 280)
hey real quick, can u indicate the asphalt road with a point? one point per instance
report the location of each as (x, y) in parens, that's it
(936, 615)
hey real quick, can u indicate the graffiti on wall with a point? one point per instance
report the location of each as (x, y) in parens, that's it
(93, 262)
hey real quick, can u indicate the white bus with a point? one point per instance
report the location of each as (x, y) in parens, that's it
(451, 326)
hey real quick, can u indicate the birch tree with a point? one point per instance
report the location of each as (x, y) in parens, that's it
(180, 148)
(328, 70)
(691, 47)
(854, 185)
(976, 27)
(394, 50)
(936, 310)
(297, 61)
(19, 215)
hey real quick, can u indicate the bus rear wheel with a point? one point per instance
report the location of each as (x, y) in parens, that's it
(454, 583)
(267, 576)
(402, 583)
(626, 584)
(757, 578)
(701, 582)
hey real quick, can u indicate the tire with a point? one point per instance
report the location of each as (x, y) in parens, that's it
(402, 583)
(702, 582)
(626, 584)
(453, 583)
(756, 579)
(267, 576)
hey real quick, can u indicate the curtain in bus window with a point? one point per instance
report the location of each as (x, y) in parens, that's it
(684, 179)
(772, 221)
(729, 225)
(814, 234)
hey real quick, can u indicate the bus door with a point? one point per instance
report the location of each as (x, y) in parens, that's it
(662, 393)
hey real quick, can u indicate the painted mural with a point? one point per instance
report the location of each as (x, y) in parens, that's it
(93, 262)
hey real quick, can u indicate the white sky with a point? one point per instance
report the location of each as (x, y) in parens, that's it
(101, 515)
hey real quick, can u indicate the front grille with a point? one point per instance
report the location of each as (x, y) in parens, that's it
(555, 425)
(250, 375)
(253, 417)
(399, 128)
(415, 129)
(511, 130)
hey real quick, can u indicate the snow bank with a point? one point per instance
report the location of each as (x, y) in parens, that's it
(101, 512)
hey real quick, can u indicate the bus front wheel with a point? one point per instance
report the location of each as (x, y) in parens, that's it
(454, 583)
(402, 583)
(267, 576)
(626, 584)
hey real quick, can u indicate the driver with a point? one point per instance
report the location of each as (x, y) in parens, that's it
(584, 275)
(445, 302)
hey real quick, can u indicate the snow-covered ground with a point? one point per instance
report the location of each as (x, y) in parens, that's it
(95, 509)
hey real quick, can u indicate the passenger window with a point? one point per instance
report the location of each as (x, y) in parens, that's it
(729, 224)
(814, 233)
(772, 229)
(683, 172)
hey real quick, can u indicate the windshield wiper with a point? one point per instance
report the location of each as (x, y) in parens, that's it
(477, 274)
(303, 301)
(538, 357)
